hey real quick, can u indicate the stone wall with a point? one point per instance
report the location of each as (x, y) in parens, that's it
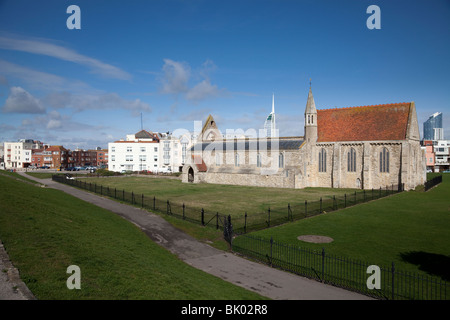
(301, 167)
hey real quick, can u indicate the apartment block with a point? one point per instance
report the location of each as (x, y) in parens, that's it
(147, 151)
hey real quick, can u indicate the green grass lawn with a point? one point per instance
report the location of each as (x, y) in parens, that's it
(17, 176)
(45, 230)
(410, 229)
(225, 199)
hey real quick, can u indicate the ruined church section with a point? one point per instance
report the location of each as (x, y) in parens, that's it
(365, 147)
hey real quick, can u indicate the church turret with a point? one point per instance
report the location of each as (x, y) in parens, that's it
(310, 119)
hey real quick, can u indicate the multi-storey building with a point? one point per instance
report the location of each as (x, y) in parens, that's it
(83, 158)
(442, 154)
(427, 146)
(147, 151)
(19, 154)
(55, 157)
(432, 128)
(102, 157)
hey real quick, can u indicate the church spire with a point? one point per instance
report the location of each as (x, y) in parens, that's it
(310, 104)
(310, 118)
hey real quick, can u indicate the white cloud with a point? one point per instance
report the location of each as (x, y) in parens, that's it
(40, 80)
(202, 91)
(176, 80)
(176, 77)
(20, 101)
(54, 124)
(109, 101)
(82, 102)
(44, 47)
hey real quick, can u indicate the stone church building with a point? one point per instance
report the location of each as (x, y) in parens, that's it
(358, 147)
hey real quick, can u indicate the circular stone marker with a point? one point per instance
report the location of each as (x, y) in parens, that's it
(315, 239)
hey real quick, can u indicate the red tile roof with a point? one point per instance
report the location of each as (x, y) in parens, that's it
(201, 166)
(366, 123)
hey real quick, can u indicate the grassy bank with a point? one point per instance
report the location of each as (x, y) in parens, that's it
(45, 230)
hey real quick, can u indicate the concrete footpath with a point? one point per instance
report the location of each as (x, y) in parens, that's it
(268, 282)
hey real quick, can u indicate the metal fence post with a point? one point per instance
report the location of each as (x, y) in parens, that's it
(345, 200)
(320, 205)
(142, 202)
(393, 272)
(132, 197)
(245, 222)
(203, 217)
(306, 208)
(184, 218)
(268, 211)
(323, 264)
(217, 221)
(154, 203)
(271, 251)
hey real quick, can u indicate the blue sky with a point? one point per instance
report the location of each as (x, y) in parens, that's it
(178, 61)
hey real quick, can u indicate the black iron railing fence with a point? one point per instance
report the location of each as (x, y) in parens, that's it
(242, 223)
(342, 272)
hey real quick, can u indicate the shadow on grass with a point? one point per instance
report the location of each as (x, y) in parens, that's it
(434, 264)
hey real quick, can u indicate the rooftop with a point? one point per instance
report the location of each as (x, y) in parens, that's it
(365, 123)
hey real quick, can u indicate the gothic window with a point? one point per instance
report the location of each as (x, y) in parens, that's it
(218, 159)
(351, 160)
(384, 160)
(322, 160)
(258, 160)
(280, 160)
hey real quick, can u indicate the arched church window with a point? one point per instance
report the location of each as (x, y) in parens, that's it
(322, 160)
(218, 155)
(236, 160)
(384, 160)
(281, 160)
(258, 160)
(351, 160)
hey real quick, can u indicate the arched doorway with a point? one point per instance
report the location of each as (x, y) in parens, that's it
(190, 175)
(358, 183)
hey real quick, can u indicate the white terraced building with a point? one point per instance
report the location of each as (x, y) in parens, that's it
(148, 151)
